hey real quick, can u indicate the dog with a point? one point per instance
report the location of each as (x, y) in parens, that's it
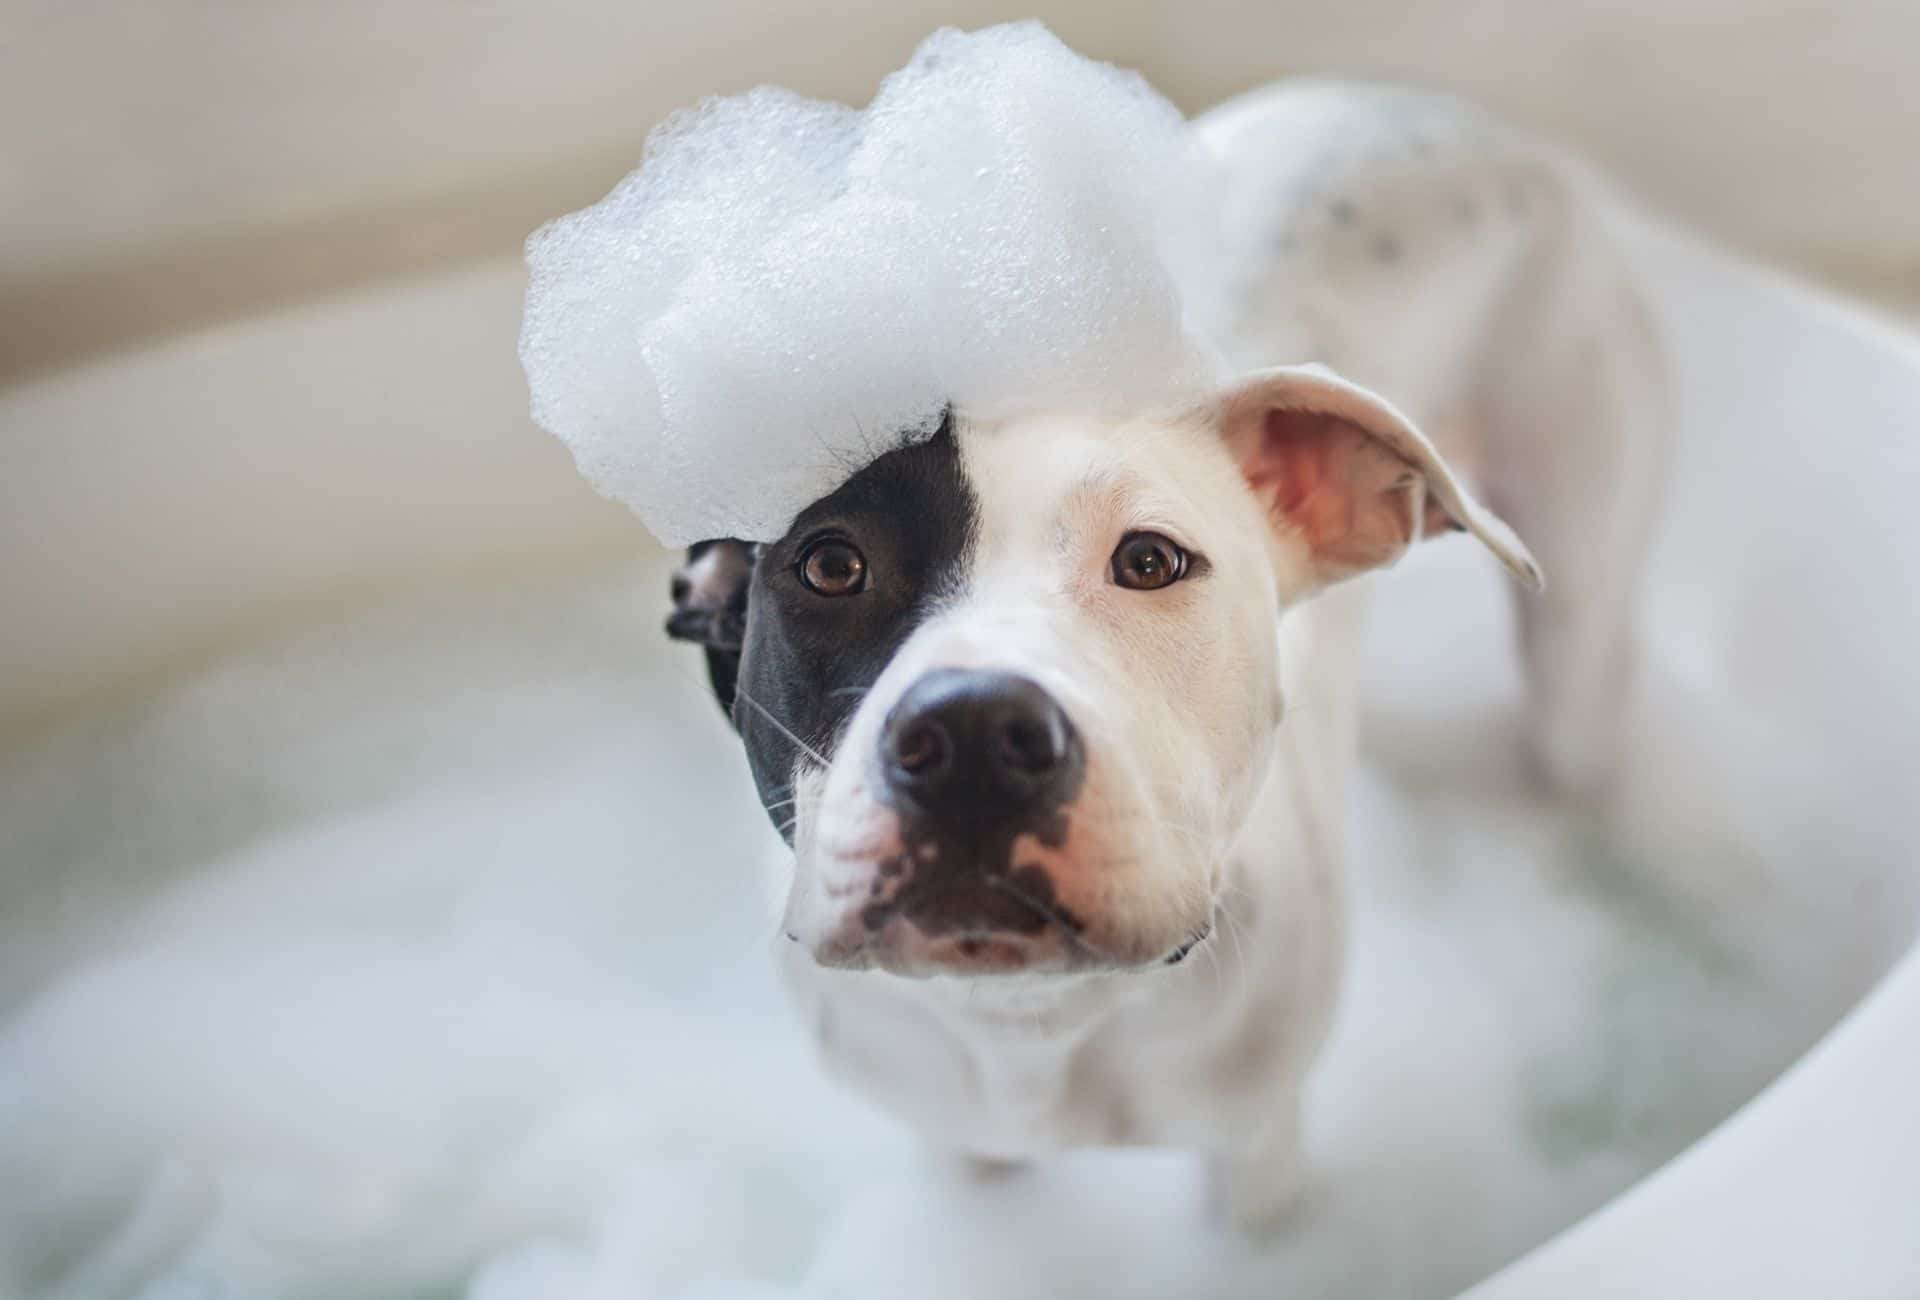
(1017, 697)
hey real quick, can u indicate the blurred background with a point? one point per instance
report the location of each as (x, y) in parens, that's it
(278, 242)
(377, 887)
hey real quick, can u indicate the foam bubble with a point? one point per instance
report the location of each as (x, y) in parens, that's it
(787, 288)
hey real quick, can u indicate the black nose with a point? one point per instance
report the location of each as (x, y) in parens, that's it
(980, 744)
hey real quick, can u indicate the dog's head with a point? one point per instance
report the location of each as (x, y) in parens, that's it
(1009, 693)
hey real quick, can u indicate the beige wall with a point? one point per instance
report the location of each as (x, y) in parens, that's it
(258, 286)
(170, 161)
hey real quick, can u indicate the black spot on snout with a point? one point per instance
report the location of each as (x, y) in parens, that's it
(974, 761)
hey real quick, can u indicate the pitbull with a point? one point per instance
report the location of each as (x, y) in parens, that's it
(1017, 697)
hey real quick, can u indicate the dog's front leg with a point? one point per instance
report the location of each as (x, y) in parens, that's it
(1256, 1186)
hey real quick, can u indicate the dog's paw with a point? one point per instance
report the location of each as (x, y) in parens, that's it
(966, 1168)
(993, 1169)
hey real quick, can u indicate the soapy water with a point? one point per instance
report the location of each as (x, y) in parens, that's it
(787, 288)
(371, 970)
(428, 954)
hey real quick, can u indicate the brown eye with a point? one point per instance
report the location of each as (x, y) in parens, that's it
(832, 567)
(1148, 561)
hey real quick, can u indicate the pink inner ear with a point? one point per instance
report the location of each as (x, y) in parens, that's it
(1342, 491)
(1297, 470)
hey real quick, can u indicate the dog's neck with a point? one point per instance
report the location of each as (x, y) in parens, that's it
(1044, 1012)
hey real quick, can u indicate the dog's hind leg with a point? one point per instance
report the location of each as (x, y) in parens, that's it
(1572, 404)
(1258, 1186)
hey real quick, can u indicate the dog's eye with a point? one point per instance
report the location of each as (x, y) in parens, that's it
(1147, 561)
(832, 566)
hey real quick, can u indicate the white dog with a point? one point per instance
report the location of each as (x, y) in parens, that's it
(1018, 696)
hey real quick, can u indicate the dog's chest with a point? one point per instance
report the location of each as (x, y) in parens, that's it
(1192, 1056)
(992, 1080)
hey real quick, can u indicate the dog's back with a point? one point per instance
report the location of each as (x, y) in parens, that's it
(1468, 271)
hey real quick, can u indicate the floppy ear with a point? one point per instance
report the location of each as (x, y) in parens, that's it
(1349, 482)
(710, 607)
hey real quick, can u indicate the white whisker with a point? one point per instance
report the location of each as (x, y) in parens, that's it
(1233, 932)
(781, 727)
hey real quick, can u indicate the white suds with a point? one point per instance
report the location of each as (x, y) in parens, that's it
(787, 288)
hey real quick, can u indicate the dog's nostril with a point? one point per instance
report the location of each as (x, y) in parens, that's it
(972, 744)
(920, 747)
(1032, 744)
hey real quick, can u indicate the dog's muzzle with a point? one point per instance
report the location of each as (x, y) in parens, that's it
(980, 767)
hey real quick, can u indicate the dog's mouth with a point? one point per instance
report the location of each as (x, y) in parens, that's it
(974, 922)
(979, 924)
(1191, 942)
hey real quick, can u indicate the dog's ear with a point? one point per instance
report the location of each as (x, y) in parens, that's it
(710, 607)
(1348, 480)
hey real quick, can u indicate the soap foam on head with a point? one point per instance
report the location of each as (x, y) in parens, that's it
(787, 288)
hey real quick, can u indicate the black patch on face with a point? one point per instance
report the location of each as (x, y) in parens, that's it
(807, 659)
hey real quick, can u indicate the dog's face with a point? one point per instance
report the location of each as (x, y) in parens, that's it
(1009, 693)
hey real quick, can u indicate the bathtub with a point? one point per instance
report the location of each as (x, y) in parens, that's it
(1812, 1188)
(289, 1010)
